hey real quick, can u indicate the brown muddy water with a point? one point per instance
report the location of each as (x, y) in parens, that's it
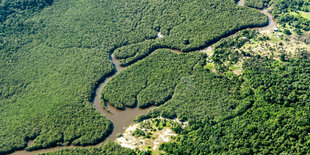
(121, 119)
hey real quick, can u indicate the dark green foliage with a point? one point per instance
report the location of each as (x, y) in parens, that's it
(236, 41)
(109, 148)
(132, 53)
(296, 21)
(50, 63)
(52, 57)
(283, 6)
(200, 96)
(191, 25)
(263, 38)
(197, 22)
(11, 7)
(150, 81)
(282, 57)
(284, 84)
(259, 4)
(265, 110)
(138, 133)
(272, 115)
(281, 10)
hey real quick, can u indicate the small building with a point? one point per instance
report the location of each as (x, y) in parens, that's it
(280, 35)
(276, 29)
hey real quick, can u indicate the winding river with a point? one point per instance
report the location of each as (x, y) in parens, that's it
(271, 20)
(121, 119)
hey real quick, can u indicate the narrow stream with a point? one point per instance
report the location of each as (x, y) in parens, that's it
(121, 119)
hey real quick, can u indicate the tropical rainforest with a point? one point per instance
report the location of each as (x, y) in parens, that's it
(54, 54)
(260, 4)
(108, 148)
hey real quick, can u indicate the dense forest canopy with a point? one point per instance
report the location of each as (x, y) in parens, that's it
(150, 81)
(108, 148)
(269, 117)
(280, 5)
(260, 4)
(266, 110)
(53, 53)
(282, 11)
(11, 7)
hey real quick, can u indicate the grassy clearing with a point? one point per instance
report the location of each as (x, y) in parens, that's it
(209, 66)
(302, 13)
(150, 134)
(290, 45)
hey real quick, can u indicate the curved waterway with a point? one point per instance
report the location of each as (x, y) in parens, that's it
(121, 119)
(272, 23)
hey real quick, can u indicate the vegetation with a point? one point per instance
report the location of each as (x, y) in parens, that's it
(225, 53)
(150, 81)
(189, 26)
(282, 10)
(290, 5)
(266, 110)
(49, 69)
(11, 7)
(107, 148)
(286, 11)
(280, 5)
(134, 52)
(54, 53)
(298, 22)
(259, 4)
(148, 128)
